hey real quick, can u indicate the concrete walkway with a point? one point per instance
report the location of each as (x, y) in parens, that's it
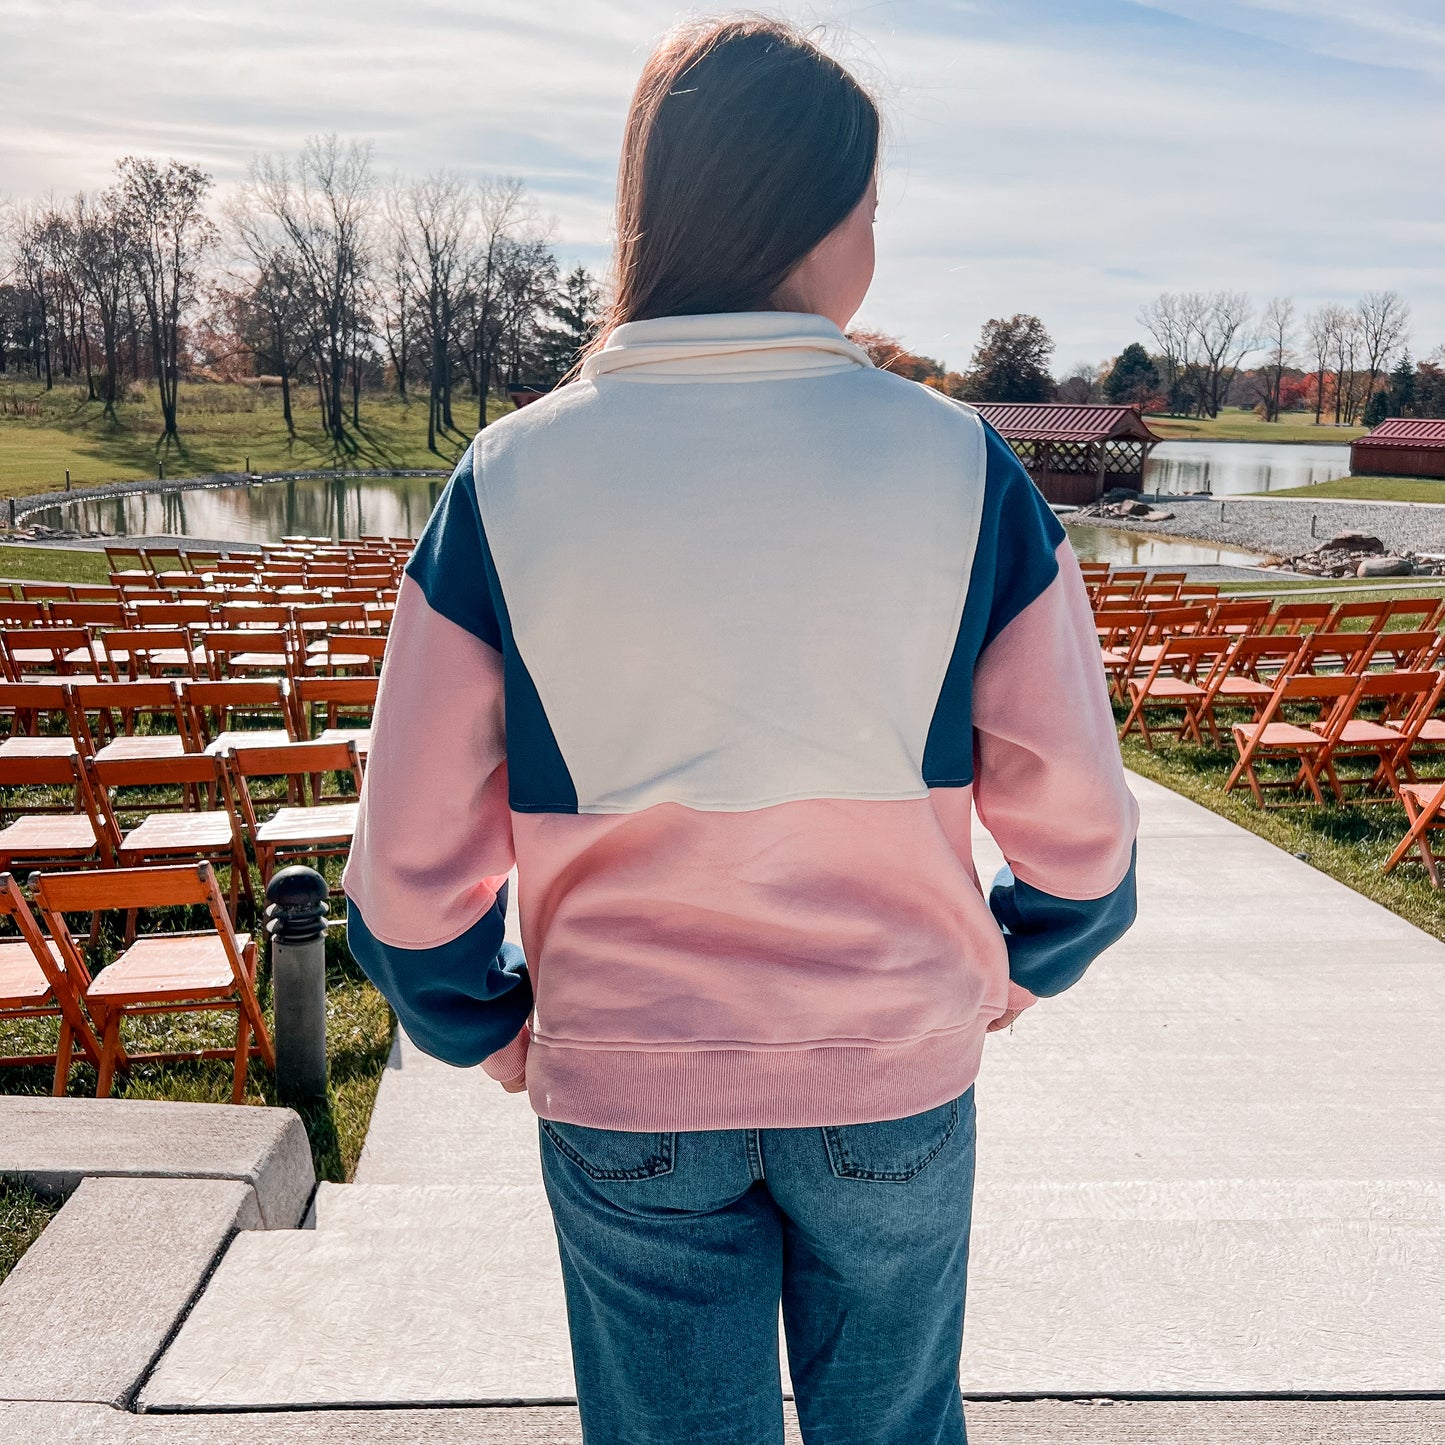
(1212, 1168)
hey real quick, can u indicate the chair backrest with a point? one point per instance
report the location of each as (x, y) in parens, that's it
(1403, 650)
(1350, 651)
(66, 771)
(159, 698)
(1367, 616)
(1295, 617)
(20, 699)
(172, 614)
(1416, 613)
(22, 614)
(1239, 615)
(47, 592)
(139, 645)
(222, 700)
(88, 614)
(1400, 692)
(221, 647)
(296, 760)
(1263, 651)
(55, 646)
(183, 770)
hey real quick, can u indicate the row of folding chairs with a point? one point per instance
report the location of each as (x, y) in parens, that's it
(83, 810)
(165, 717)
(44, 972)
(294, 647)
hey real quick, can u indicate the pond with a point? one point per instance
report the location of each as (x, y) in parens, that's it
(399, 507)
(1230, 468)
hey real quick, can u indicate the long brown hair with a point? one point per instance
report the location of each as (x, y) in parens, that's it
(745, 146)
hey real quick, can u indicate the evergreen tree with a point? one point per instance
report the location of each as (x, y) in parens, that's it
(1402, 388)
(576, 310)
(1134, 378)
(1378, 408)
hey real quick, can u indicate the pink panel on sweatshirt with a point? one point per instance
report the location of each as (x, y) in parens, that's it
(433, 837)
(812, 922)
(1048, 782)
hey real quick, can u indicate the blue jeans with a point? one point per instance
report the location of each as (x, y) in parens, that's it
(678, 1247)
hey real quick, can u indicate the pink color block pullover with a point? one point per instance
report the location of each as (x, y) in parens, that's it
(720, 645)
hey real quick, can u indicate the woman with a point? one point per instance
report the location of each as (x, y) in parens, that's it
(719, 643)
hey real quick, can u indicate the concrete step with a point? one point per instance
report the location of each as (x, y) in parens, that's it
(448, 1315)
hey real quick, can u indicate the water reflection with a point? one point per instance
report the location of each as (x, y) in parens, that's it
(1231, 468)
(1135, 549)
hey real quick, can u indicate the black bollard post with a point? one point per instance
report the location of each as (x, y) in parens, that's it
(296, 922)
(67, 479)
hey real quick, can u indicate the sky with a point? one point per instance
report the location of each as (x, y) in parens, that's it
(1071, 158)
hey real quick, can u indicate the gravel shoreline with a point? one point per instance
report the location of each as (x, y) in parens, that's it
(1288, 526)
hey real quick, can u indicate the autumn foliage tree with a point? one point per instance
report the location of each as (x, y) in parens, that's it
(1011, 361)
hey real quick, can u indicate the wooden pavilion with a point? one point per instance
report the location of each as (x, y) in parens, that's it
(1401, 447)
(1075, 453)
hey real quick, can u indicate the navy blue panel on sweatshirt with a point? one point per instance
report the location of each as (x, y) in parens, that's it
(1014, 563)
(453, 566)
(1051, 941)
(460, 1001)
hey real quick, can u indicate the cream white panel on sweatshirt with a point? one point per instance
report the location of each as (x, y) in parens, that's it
(783, 559)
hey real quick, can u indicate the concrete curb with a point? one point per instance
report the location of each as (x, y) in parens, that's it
(53, 1144)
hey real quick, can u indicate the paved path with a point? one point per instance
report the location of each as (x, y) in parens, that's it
(1212, 1168)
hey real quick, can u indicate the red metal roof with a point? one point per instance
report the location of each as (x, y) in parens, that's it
(1056, 421)
(1406, 431)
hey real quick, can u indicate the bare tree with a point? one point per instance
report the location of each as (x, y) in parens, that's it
(432, 223)
(30, 250)
(170, 235)
(105, 266)
(1167, 320)
(1347, 346)
(323, 205)
(1221, 323)
(1384, 318)
(1277, 334)
(501, 211)
(1321, 327)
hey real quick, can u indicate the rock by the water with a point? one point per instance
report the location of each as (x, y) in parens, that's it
(1385, 567)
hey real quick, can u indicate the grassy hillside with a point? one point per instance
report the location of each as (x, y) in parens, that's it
(42, 433)
(1372, 489)
(1237, 424)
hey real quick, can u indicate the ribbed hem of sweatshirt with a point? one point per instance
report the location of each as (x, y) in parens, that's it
(674, 1089)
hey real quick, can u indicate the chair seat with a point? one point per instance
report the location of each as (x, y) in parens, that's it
(1279, 735)
(1168, 687)
(1432, 730)
(50, 835)
(257, 662)
(174, 657)
(179, 833)
(360, 736)
(131, 749)
(173, 965)
(1361, 730)
(329, 823)
(1422, 793)
(45, 747)
(240, 739)
(22, 980)
(1244, 687)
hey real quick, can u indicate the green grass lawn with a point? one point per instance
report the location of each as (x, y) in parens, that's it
(1239, 424)
(23, 1214)
(53, 564)
(221, 426)
(1371, 489)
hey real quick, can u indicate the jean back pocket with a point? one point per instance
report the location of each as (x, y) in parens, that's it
(613, 1153)
(891, 1150)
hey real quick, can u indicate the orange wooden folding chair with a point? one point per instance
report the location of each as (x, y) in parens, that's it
(1174, 683)
(1245, 676)
(53, 651)
(105, 702)
(323, 827)
(37, 983)
(254, 712)
(151, 652)
(243, 651)
(193, 972)
(1423, 804)
(1402, 651)
(28, 705)
(1239, 617)
(142, 831)
(326, 700)
(75, 836)
(1273, 738)
(1400, 696)
(1368, 615)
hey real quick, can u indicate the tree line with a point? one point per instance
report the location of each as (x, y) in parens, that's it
(314, 273)
(1349, 364)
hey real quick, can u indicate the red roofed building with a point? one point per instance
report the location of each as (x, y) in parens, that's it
(1401, 447)
(1075, 453)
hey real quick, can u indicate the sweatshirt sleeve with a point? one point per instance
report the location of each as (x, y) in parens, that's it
(425, 879)
(1049, 783)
